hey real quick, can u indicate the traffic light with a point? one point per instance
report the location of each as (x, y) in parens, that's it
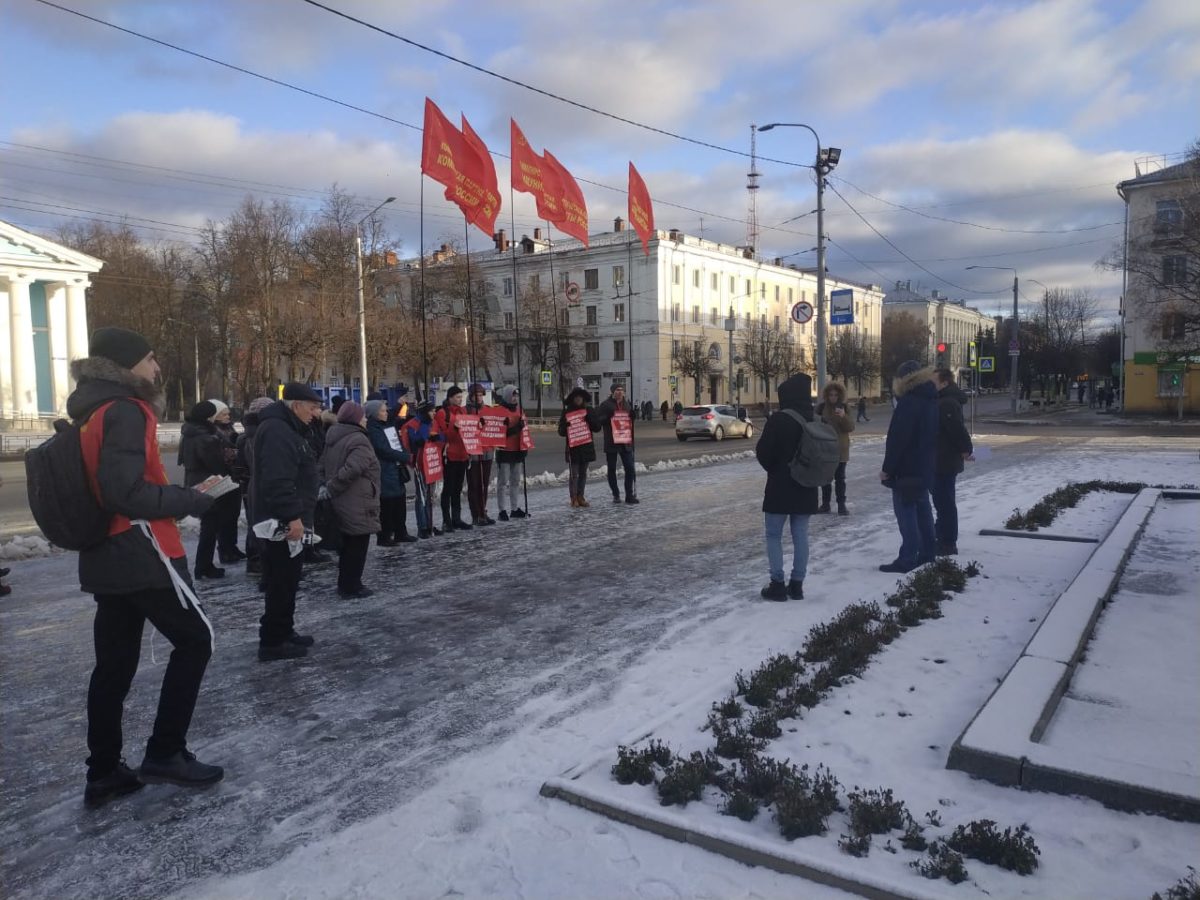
(972, 355)
(943, 351)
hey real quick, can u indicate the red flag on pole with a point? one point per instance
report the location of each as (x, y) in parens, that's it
(641, 212)
(448, 158)
(531, 175)
(485, 218)
(573, 215)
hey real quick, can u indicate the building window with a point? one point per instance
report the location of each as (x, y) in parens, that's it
(564, 316)
(676, 275)
(762, 291)
(675, 349)
(510, 320)
(591, 351)
(714, 316)
(695, 278)
(1174, 270)
(535, 283)
(777, 323)
(333, 371)
(696, 315)
(591, 315)
(714, 281)
(1168, 214)
(509, 354)
(591, 279)
(675, 312)
(508, 286)
(714, 352)
(618, 312)
(697, 347)
(618, 276)
(1173, 324)
(732, 285)
(789, 295)
(564, 350)
(777, 294)
(749, 287)
(618, 351)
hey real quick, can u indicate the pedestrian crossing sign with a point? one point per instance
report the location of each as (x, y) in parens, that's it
(987, 364)
(547, 377)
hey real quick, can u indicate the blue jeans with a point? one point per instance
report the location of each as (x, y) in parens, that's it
(946, 527)
(774, 536)
(917, 542)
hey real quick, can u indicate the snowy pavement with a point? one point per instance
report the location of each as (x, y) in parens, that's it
(403, 757)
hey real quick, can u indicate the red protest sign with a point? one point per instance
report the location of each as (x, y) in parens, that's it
(578, 432)
(622, 427)
(468, 430)
(431, 462)
(493, 425)
(526, 438)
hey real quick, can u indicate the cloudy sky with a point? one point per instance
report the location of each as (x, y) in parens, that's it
(971, 133)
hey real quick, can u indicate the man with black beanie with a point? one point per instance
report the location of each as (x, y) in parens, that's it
(139, 572)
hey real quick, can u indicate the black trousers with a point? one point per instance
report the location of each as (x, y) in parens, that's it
(839, 485)
(456, 475)
(479, 474)
(391, 517)
(281, 573)
(230, 506)
(117, 633)
(577, 473)
(626, 454)
(253, 548)
(352, 559)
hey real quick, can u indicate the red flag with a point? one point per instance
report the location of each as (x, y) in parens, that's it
(448, 158)
(485, 218)
(641, 212)
(531, 175)
(573, 215)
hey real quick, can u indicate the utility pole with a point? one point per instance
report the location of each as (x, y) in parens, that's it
(362, 309)
(730, 325)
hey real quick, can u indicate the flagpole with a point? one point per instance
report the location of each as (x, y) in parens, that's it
(470, 304)
(554, 306)
(512, 213)
(424, 338)
(629, 312)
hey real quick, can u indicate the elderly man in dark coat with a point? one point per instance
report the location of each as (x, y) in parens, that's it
(285, 488)
(786, 501)
(908, 464)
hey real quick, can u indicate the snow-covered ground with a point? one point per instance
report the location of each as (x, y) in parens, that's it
(403, 758)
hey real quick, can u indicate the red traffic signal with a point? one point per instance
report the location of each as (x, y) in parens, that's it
(941, 348)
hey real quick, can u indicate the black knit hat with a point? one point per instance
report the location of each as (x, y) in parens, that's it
(120, 345)
(454, 391)
(201, 412)
(298, 390)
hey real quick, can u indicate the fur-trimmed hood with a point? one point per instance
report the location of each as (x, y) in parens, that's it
(100, 380)
(901, 385)
(834, 392)
(578, 392)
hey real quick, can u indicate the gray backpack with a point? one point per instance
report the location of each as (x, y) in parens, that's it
(818, 454)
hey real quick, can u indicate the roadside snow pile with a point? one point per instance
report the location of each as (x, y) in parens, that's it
(26, 546)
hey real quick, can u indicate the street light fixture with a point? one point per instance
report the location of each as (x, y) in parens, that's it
(1014, 346)
(362, 311)
(826, 160)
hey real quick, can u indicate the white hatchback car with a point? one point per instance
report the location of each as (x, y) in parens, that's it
(714, 421)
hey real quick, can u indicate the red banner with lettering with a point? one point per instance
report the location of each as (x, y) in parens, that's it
(485, 217)
(431, 462)
(526, 438)
(450, 159)
(622, 427)
(641, 212)
(578, 430)
(468, 430)
(493, 425)
(530, 175)
(573, 214)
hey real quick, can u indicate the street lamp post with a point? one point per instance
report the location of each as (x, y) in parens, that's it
(1014, 347)
(825, 162)
(362, 310)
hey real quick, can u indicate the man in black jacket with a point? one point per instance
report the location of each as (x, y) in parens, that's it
(785, 500)
(285, 485)
(953, 448)
(619, 443)
(128, 571)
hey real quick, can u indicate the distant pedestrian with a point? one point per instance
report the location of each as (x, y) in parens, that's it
(350, 472)
(576, 424)
(953, 449)
(139, 572)
(862, 410)
(1108, 398)
(616, 418)
(785, 500)
(665, 409)
(833, 411)
(285, 489)
(1080, 388)
(678, 408)
(202, 455)
(230, 504)
(908, 464)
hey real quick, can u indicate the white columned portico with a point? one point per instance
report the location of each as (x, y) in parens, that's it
(77, 327)
(56, 316)
(24, 377)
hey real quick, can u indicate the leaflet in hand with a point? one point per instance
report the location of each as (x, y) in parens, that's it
(216, 485)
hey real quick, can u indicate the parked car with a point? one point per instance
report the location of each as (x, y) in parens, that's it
(714, 421)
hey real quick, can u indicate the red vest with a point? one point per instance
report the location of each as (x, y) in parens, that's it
(91, 438)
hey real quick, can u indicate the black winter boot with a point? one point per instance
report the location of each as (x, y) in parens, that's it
(120, 781)
(795, 589)
(182, 769)
(775, 590)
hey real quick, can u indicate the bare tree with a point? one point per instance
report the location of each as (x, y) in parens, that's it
(904, 337)
(853, 355)
(1060, 322)
(692, 361)
(770, 354)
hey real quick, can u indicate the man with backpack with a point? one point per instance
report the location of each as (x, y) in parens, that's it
(137, 570)
(798, 456)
